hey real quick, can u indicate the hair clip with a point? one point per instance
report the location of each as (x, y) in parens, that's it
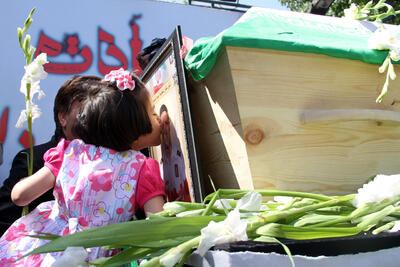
(121, 78)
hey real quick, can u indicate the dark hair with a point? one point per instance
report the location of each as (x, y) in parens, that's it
(74, 89)
(163, 108)
(113, 118)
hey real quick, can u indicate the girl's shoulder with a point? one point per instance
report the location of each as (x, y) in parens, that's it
(57, 150)
(79, 146)
(150, 167)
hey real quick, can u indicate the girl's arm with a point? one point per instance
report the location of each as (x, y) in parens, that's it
(154, 205)
(30, 188)
(150, 194)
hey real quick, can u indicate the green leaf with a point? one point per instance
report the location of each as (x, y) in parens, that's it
(300, 233)
(274, 240)
(131, 233)
(45, 236)
(164, 243)
(124, 257)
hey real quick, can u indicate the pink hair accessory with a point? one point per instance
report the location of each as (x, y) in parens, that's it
(121, 78)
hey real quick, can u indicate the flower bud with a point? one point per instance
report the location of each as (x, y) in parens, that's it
(28, 23)
(19, 30)
(27, 41)
(384, 66)
(392, 74)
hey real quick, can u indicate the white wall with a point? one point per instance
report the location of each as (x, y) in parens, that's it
(59, 18)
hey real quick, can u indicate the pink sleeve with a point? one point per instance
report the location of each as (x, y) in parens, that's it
(150, 183)
(53, 157)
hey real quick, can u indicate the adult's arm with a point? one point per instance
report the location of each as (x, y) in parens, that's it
(9, 212)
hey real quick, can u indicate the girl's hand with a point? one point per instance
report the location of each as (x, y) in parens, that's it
(32, 187)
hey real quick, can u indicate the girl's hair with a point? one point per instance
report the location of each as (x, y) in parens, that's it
(113, 118)
(74, 89)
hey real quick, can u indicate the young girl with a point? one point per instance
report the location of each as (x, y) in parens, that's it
(99, 179)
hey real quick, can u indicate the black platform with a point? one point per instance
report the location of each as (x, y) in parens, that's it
(364, 242)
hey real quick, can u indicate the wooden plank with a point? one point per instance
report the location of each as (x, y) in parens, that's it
(218, 130)
(273, 90)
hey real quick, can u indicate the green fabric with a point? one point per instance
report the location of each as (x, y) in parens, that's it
(288, 31)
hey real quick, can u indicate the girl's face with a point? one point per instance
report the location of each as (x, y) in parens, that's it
(166, 146)
(67, 120)
(153, 138)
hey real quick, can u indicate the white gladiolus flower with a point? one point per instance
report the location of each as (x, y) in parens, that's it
(396, 227)
(395, 54)
(381, 188)
(72, 257)
(171, 259)
(354, 12)
(35, 111)
(230, 230)
(173, 208)
(42, 59)
(282, 199)
(251, 201)
(35, 89)
(221, 203)
(21, 119)
(34, 71)
(386, 39)
(24, 114)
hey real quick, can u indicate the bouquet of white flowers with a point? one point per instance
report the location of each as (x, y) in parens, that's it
(229, 215)
(381, 39)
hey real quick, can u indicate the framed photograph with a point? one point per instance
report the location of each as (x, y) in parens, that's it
(165, 78)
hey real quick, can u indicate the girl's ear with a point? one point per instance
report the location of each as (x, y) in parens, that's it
(62, 118)
(136, 145)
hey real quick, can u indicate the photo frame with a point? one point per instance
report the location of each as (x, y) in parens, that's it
(177, 155)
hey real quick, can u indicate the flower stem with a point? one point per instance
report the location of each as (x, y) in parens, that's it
(237, 193)
(182, 249)
(361, 211)
(373, 17)
(269, 217)
(208, 209)
(25, 209)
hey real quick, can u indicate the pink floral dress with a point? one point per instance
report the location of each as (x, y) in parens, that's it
(95, 186)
